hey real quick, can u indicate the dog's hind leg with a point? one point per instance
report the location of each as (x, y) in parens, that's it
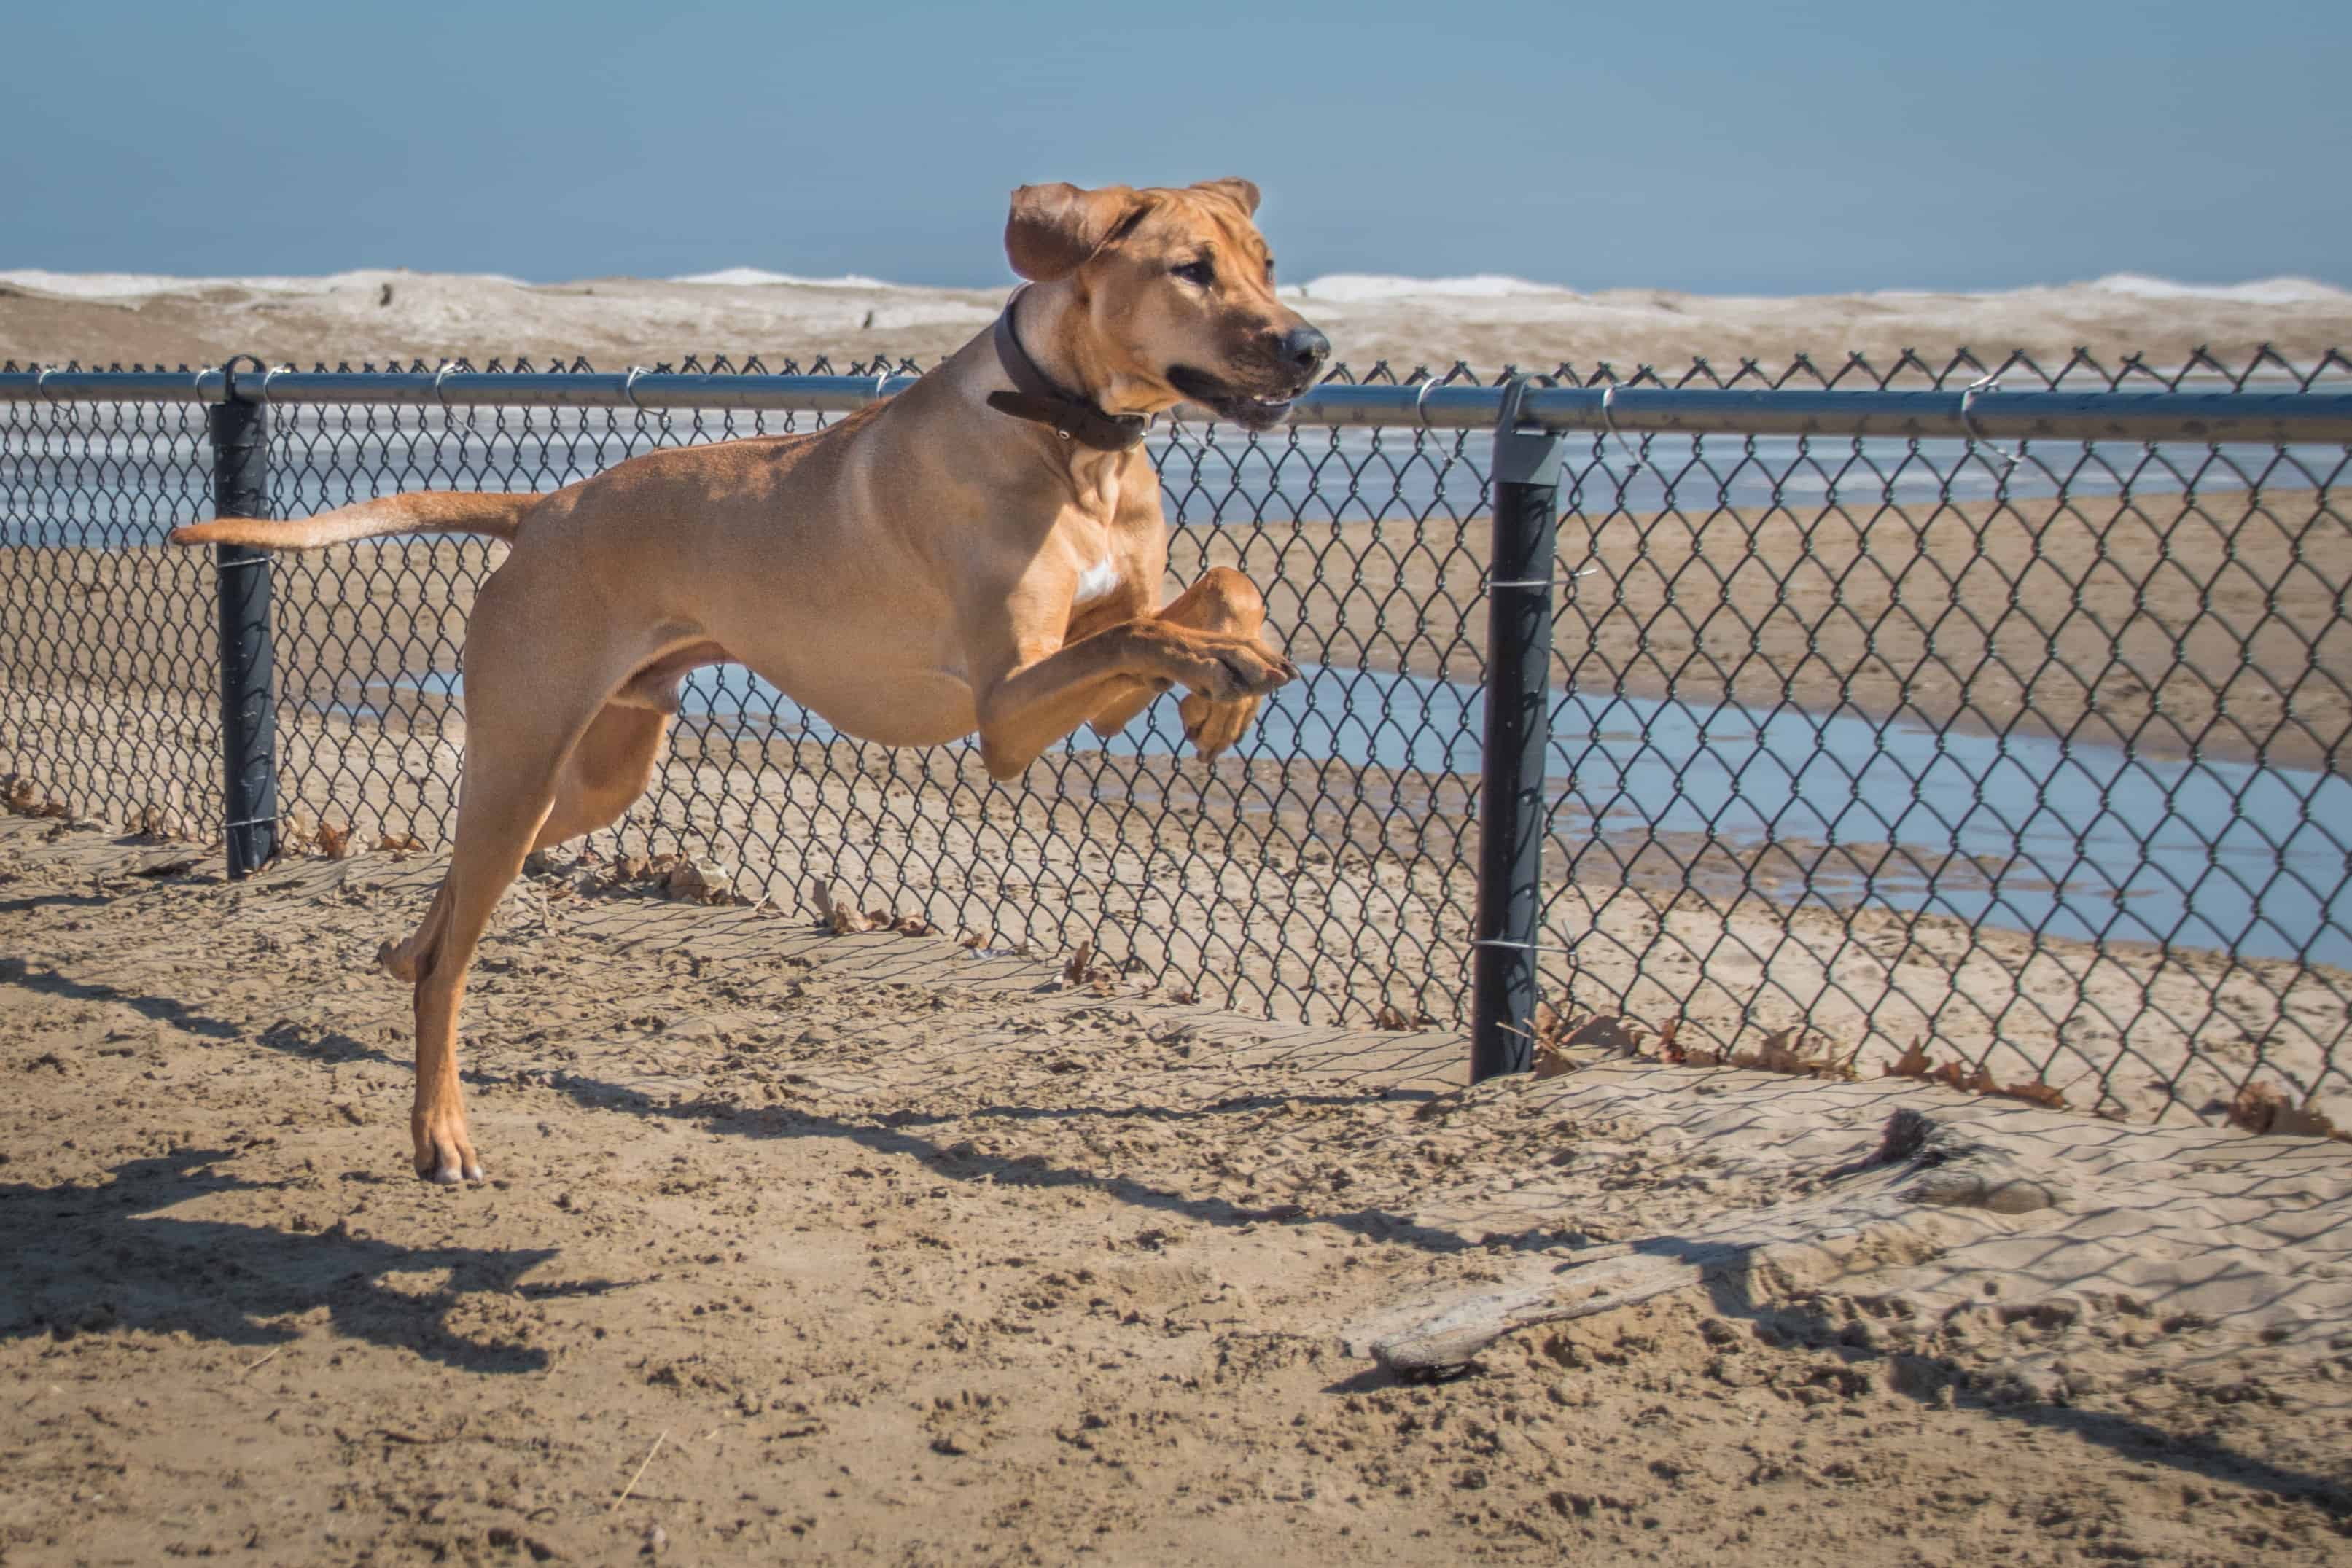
(605, 772)
(527, 706)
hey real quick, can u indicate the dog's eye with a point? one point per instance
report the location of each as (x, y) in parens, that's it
(1199, 274)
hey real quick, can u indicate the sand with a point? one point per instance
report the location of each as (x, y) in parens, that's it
(858, 1249)
(395, 316)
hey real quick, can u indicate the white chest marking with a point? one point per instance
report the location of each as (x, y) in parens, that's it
(1099, 580)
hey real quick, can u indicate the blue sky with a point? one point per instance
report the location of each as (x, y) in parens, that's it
(1718, 147)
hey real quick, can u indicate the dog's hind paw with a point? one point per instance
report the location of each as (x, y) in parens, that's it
(444, 1151)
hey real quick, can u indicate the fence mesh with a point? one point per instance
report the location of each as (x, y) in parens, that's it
(108, 657)
(2033, 761)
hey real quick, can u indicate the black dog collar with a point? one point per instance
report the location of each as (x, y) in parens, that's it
(1040, 402)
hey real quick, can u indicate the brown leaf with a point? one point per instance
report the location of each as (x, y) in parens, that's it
(699, 882)
(1978, 1081)
(841, 919)
(26, 798)
(406, 842)
(334, 842)
(2035, 1092)
(1390, 1017)
(1911, 1063)
(1082, 970)
(1785, 1051)
(2264, 1108)
(1782, 1052)
(912, 925)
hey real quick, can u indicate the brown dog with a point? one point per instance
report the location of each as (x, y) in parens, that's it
(980, 552)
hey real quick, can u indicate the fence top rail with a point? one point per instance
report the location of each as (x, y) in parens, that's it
(2268, 418)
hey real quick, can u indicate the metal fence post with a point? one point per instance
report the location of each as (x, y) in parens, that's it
(1526, 476)
(240, 443)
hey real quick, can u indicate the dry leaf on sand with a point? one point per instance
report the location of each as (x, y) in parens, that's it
(840, 919)
(1914, 1062)
(2266, 1108)
(1082, 969)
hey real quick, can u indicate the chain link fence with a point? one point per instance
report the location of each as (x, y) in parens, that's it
(2027, 758)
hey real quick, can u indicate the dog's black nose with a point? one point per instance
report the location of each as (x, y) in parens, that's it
(1305, 348)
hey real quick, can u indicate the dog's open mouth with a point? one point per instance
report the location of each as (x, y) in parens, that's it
(1227, 401)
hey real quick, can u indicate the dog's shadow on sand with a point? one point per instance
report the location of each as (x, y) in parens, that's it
(78, 1259)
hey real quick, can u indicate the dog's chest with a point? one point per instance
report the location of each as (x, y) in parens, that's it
(1101, 486)
(1098, 581)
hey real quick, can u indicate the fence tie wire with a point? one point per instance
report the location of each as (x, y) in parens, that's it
(1609, 417)
(1421, 401)
(1967, 422)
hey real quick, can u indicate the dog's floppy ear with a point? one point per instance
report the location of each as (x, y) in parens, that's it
(1242, 191)
(1053, 228)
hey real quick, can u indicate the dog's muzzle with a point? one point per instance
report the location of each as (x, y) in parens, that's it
(1296, 355)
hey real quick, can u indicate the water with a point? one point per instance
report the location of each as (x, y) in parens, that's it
(108, 480)
(2074, 840)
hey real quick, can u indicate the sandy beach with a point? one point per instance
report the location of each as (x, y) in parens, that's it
(390, 316)
(1086, 1212)
(866, 1247)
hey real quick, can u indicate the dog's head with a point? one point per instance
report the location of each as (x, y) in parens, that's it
(1178, 288)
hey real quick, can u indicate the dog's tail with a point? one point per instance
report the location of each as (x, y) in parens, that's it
(498, 514)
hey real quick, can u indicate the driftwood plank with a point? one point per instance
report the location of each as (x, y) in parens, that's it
(1924, 1190)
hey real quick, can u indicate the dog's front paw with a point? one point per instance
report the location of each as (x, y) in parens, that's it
(1234, 668)
(444, 1150)
(1214, 727)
